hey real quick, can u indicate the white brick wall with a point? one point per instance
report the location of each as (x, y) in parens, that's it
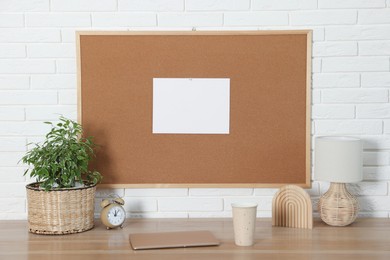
(351, 80)
(58, 19)
(151, 5)
(123, 19)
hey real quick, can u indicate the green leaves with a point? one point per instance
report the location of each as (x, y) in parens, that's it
(62, 159)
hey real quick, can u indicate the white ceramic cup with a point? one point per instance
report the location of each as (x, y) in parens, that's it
(244, 223)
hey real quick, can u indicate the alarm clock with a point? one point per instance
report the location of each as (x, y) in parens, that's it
(113, 215)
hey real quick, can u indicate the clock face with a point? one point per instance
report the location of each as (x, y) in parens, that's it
(116, 216)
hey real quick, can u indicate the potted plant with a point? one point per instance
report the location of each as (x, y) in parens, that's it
(62, 199)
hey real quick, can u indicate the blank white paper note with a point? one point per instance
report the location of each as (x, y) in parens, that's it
(191, 106)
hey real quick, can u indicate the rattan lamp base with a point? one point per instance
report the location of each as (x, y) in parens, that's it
(337, 206)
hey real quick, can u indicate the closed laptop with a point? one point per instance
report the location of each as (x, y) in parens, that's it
(172, 239)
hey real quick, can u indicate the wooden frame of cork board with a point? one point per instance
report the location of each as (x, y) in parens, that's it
(268, 144)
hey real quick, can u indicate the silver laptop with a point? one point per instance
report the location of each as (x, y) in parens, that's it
(172, 239)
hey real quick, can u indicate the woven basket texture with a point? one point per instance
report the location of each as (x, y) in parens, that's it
(59, 212)
(337, 206)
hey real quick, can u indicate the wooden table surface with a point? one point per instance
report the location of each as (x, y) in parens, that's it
(364, 239)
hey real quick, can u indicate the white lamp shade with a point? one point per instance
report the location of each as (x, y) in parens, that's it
(338, 159)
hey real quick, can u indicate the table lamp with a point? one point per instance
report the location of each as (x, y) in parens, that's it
(338, 160)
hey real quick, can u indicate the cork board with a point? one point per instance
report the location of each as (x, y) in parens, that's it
(268, 144)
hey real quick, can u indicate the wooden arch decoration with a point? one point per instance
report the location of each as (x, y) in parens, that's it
(292, 207)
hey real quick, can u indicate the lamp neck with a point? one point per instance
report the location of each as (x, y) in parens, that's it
(338, 188)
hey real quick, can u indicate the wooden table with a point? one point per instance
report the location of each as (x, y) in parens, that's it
(365, 239)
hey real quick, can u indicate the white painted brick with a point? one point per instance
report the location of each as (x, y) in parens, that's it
(263, 203)
(372, 40)
(38, 139)
(8, 159)
(316, 65)
(374, 48)
(58, 19)
(12, 51)
(377, 142)
(333, 111)
(190, 19)
(316, 96)
(376, 173)
(264, 214)
(12, 174)
(354, 95)
(323, 17)
(166, 192)
(123, 19)
(283, 5)
(67, 97)
(151, 5)
(50, 112)
(51, 50)
(349, 127)
(140, 204)
(11, 20)
(265, 191)
(84, 5)
(377, 214)
(158, 215)
(190, 204)
(373, 111)
(368, 188)
(374, 203)
(12, 205)
(24, 5)
(14, 82)
(367, 32)
(217, 214)
(12, 144)
(321, 49)
(386, 126)
(11, 113)
(170, 28)
(376, 79)
(227, 28)
(374, 16)
(63, 81)
(14, 216)
(22, 35)
(13, 66)
(28, 97)
(68, 35)
(217, 5)
(352, 64)
(221, 192)
(12, 190)
(30, 179)
(331, 80)
(314, 191)
(351, 3)
(66, 66)
(376, 158)
(324, 187)
(318, 33)
(267, 18)
(105, 193)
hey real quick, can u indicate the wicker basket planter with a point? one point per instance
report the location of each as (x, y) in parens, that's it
(59, 212)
